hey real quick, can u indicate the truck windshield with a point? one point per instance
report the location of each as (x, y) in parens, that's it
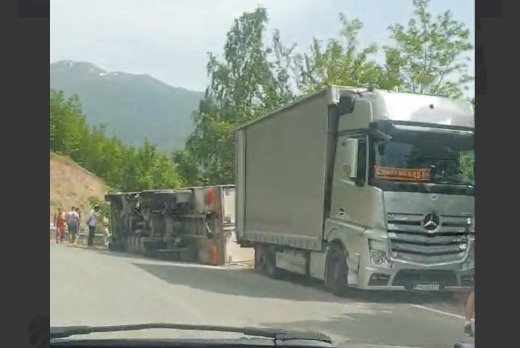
(430, 161)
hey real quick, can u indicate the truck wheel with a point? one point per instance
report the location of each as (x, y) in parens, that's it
(260, 252)
(336, 278)
(270, 268)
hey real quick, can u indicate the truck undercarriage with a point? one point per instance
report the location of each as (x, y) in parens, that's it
(190, 224)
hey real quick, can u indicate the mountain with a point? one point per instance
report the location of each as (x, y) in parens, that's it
(132, 106)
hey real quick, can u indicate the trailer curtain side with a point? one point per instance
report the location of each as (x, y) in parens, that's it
(281, 175)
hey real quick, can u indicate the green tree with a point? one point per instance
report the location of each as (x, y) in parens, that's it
(248, 81)
(187, 168)
(340, 62)
(429, 55)
(67, 124)
(120, 166)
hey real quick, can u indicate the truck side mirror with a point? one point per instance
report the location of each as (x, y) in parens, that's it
(350, 160)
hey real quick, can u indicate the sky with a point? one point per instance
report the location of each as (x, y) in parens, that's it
(170, 39)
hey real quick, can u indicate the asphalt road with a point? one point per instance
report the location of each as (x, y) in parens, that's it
(96, 287)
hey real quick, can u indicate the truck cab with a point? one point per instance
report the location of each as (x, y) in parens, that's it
(402, 198)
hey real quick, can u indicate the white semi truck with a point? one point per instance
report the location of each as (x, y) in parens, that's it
(360, 188)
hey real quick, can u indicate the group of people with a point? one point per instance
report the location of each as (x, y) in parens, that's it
(71, 220)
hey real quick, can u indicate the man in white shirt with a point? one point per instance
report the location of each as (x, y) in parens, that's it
(92, 223)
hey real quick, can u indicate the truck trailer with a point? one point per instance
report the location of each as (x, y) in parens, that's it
(360, 188)
(195, 224)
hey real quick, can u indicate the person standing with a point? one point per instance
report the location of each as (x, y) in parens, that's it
(92, 223)
(78, 211)
(59, 225)
(79, 225)
(73, 225)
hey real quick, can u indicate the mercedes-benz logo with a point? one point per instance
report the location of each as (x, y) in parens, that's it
(431, 221)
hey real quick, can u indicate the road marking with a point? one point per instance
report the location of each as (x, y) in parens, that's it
(440, 312)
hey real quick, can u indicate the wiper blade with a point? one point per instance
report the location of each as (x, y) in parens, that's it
(277, 334)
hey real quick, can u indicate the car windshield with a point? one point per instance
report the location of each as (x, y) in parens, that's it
(205, 160)
(427, 157)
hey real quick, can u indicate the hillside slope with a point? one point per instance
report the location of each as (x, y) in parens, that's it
(132, 106)
(72, 185)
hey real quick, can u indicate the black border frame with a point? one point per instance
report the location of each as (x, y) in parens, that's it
(29, 37)
(26, 257)
(493, 168)
(34, 9)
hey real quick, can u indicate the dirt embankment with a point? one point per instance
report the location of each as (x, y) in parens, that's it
(72, 185)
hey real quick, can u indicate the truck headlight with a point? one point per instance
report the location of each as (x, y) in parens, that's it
(377, 252)
(378, 257)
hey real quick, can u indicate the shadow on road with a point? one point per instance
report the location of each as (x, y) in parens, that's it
(254, 285)
(242, 282)
(245, 282)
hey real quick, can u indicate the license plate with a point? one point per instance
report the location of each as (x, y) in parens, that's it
(426, 287)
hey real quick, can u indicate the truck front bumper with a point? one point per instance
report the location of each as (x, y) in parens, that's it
(406, 276)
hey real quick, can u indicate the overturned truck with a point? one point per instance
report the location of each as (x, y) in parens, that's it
(195, 224)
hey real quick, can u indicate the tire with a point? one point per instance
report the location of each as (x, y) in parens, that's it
(259, 259)
(265, 261)
(336, 277)
(270, 264)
